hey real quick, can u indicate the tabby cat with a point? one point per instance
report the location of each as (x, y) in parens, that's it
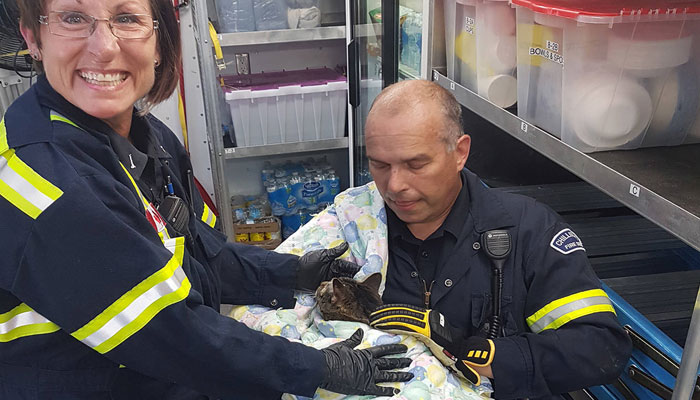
(346, 299)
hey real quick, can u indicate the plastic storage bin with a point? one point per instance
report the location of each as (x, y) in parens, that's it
(606, 75)
(286, 107)
(460, 42)
(264, 15)
(235, 15)
(496, 52)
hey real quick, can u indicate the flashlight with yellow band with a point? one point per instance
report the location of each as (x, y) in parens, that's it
(447, 343)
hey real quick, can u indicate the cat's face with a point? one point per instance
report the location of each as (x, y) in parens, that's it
(348, 300)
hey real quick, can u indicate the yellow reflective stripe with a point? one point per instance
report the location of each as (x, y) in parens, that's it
(558, 312)
(133, 183)
(133, 310)
(208, 216)
(23, 187)
(22, 321)
(54, 116)
(3, 137)
(579, 313)
(162, 234)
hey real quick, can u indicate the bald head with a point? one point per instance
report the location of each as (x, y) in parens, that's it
(420, 96)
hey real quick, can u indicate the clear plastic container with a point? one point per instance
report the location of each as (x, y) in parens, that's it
(496, 52)
(235, 15)
(460, 42)
(300, 106)
(606, 75)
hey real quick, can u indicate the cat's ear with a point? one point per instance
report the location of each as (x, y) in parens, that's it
(373, 281)
(338, 288)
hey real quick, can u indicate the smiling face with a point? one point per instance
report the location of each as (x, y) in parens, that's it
(101, 74)
(414, 171)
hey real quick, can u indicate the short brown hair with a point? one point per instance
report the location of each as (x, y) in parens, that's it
(167, 36)
(409, 95)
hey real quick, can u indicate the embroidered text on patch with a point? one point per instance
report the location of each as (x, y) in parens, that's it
(566, 242)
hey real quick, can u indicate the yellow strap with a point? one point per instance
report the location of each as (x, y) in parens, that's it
(217, 48)
(183, 120)
(12, 54)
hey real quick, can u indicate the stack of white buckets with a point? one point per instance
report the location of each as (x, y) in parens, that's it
(485, 62)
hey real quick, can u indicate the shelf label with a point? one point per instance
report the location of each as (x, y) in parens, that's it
(452, 86)
(634, 190)
(523, 126)
(229, 150)
(435, 75)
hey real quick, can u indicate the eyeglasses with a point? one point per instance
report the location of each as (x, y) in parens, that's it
(76, 24)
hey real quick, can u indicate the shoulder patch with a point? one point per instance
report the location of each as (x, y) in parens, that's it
(566, 242)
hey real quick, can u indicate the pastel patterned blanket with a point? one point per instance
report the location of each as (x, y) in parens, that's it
(358, 217)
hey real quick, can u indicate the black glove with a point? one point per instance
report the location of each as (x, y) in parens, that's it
(446, 342)
(317, 266)
(358, 371)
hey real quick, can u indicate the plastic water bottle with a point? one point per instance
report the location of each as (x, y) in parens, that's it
(311, 189)
(290, 201)
(267, 172)
(276, 205)
(297, 186)
(320, 178)
(280, 172)
(334, 183)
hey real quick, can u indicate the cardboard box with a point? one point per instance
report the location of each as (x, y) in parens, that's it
(250, 233)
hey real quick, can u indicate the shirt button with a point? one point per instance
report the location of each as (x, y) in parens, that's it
(414, 274)
(476, 246)
(448, 282)
(424, 254)
(273, 302)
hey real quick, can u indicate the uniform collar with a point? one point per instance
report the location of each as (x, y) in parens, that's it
(485, 207)
(50, 98)
(141, 133)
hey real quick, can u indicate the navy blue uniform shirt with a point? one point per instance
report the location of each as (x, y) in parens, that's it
(96, 302)
(561, 330)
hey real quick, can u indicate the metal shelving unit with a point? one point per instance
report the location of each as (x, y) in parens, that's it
(282, 36)
(285, 49)
(661, 184)
(286, 148)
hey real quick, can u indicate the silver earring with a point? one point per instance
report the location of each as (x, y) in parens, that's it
(35, 56)
(157, 63)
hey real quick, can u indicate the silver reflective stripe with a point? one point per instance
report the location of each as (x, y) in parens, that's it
(27, 318)
(136, 308)
(210, 217)
(571, 307)
(22, 186)
(170, 244)
(54, 116)
(22, 321)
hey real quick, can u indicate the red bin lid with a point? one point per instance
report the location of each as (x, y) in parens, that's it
(604, 11)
